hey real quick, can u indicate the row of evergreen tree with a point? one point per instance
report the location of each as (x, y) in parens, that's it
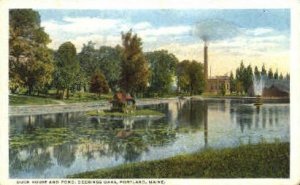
(242, 82)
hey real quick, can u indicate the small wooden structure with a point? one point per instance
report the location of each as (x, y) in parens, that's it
(123, 102)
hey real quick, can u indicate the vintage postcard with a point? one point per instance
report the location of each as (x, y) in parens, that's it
(161, 92)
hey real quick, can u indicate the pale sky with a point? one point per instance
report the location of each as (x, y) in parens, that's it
(257, 36)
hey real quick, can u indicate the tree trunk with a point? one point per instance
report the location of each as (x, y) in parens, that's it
(30, 89)
(68, 93)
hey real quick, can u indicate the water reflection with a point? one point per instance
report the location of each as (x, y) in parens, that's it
(56, 145)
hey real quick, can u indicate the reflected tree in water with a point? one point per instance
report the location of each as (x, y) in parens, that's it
(65, 154)
(29, 159)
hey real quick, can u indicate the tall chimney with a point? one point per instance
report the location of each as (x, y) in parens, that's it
(205, 63)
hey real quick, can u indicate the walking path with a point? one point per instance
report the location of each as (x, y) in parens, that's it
(75, 107)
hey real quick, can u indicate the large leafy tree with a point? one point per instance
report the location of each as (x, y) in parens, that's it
(98, 83)
(88, 61)
(110, 64)
(163, 68)
(183, 78)
(134, 67)
(30, 61)
(106, 58)
(196, 73)
(67, 69)
(190, 76)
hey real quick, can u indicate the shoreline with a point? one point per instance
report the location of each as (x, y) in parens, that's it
(25, 110)
(210, 163)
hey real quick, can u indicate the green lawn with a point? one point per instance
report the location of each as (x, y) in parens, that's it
(50, 99)
(87, 97)
(247, 161)
(29, 100)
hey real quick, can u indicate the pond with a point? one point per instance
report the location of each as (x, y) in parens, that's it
(57, 145)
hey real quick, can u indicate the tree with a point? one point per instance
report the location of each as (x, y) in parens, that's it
(30, 61)
(110, 65)
(196, 73)
(276, 76)
(223, 89)
(67, 68)
(287, 76)
(232, 82)
(190, 77)
(134, 67)
(163, 68)
(280, 76)
(183, 78)
(248, 78)
(239, 87)
(270, 74)
(98, 83)
(263, 70)
(245, 77)
(256, 73)
(88, 62)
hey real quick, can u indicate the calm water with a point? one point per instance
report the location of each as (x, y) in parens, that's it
(56, 145)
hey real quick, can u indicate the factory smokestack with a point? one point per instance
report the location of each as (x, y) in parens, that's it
(205, 62)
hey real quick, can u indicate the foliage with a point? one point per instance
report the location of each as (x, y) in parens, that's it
(263, 70)
(276, 76)
(256, 73)
(223, 89)
(30, 61)
(134, 67)
(196, 73)
(98, 83)
(163, 66)
(107, 58)
(110, 65)
(183, 79)
(246, 161)
(280, 76)
(67, 68)
(239, 87)
(244, 77)
(190, 76)
(88, 62)
(88, 59)
(232, 82)
(270, 74)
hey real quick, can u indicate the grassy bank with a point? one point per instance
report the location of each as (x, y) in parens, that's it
(30, 100)
(248, 161)
(50, 99)
(142, 112)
